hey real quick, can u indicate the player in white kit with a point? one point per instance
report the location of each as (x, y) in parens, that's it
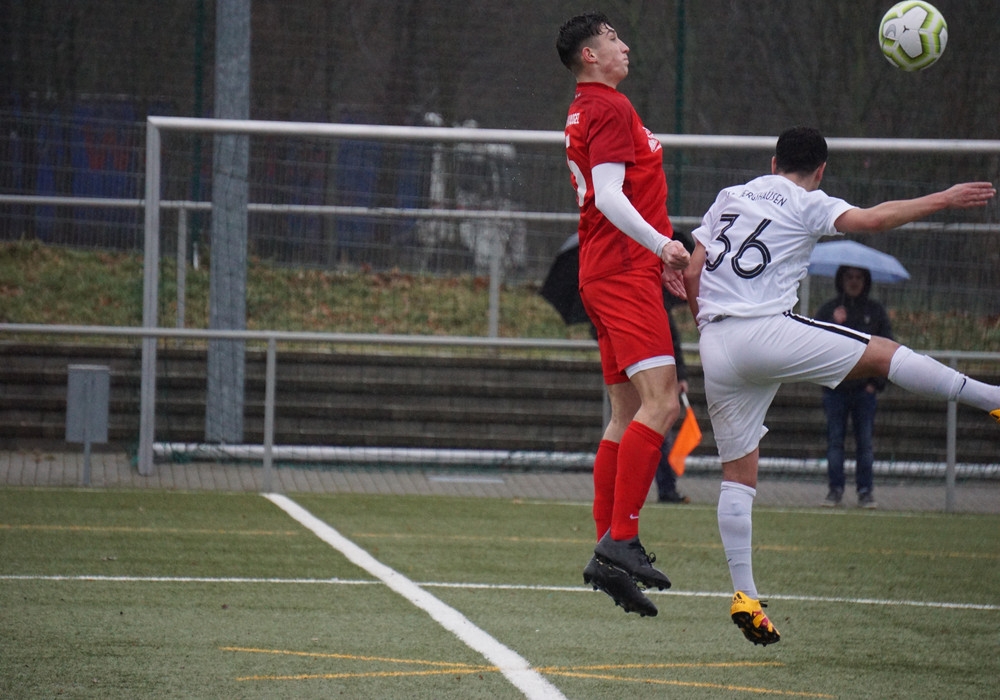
(752, 249)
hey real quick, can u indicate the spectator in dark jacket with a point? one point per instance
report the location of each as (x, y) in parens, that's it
(857, 398)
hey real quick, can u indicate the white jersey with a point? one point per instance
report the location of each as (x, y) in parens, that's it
(758, 238)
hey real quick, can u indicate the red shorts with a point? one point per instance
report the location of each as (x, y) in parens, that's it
(627, 311)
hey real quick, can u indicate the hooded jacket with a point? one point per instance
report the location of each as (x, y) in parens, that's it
(863, 314)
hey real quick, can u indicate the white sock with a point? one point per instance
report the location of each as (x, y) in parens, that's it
(926, 376)
(736, 529)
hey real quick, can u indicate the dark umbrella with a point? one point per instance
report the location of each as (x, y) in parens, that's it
(562, 285)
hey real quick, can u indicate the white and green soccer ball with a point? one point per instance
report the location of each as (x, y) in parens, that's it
(913, 35)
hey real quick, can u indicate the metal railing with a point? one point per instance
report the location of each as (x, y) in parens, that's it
(185, 207)
(146, 451)
(148, 378)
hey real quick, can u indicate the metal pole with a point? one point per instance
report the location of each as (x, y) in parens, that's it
(269, 392)
(677, 185)
(225, 397)
(182, 237)
(496, 268)
(85, 479)
(950, 452)
(151, 265)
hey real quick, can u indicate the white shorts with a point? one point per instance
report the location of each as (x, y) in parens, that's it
(746, 359)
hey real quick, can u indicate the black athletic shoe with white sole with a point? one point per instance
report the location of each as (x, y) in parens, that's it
(631, 556)
(619, 585)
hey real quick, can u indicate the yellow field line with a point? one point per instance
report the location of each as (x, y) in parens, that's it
(354, 657)
(949, 554)
(440, 668)
(147, 530)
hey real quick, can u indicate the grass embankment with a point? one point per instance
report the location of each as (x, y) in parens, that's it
(43, 284)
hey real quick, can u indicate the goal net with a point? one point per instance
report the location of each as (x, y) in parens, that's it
(487, 210)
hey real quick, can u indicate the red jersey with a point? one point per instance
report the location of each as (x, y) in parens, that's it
(603, 127)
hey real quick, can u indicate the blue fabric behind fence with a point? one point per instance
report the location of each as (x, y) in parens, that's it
(356, 180)
(51, 159)
(103, 162)
(411, 179)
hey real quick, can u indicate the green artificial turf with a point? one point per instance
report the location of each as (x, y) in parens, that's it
(204, 595)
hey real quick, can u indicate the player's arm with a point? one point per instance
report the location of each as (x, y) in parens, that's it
(609, 178)
(692, 277)
(888, 215)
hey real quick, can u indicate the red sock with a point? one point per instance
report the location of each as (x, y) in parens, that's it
(638, 457)
(605, 468)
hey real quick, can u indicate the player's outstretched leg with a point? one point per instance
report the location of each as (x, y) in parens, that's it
(619, 585)
(748, 615)
(631, 556)
(926, 376)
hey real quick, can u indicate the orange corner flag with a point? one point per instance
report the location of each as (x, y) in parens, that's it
(688, 438)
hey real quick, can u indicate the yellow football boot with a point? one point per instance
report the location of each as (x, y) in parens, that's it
(749, 616)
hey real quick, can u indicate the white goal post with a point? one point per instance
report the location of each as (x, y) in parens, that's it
(158, 125)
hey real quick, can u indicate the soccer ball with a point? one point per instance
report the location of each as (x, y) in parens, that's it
(913, 35)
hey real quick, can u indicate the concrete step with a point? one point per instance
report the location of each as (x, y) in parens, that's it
(396, 400)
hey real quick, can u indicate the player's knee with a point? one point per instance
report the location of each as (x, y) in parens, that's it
(667, 410)
(876, 360)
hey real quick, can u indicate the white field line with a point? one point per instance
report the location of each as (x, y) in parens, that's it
(511, 664)
(882, 602)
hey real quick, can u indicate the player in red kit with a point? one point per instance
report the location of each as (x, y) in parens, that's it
(626, 257)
